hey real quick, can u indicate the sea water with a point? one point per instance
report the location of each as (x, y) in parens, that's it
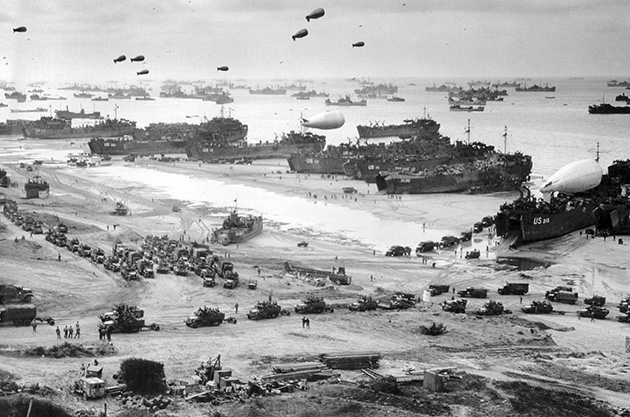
(555, 128)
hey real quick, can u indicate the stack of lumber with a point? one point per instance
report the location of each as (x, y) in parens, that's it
(298, 371)
(351, 360)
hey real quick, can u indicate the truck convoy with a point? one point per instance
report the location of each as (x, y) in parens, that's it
(312, 304)
(513, 288)
(206, 316)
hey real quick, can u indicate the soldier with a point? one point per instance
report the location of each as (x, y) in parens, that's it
(109, 333)
(34, 324)
(65, 332)
(70, 332)
(58, 331)
(78, 330)
(303, 321)
(235, 308)
(308, 324)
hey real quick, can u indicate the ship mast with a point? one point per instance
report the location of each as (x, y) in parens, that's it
(505, 135)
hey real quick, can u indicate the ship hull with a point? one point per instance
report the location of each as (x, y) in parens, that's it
(367, 132)
(532, 227)
(209, 153)
(613, 218)
(116, 146)
(6, 130)
(316, 165)
(72, 133)
(469, 179)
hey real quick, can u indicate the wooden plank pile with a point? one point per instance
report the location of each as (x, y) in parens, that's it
(309, 371)
(351, 360)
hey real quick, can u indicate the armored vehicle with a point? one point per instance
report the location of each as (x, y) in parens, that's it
(492, 308)
(454, 306)
(264, 310)
(312, 304)
(514, 288)
(624, 318)
(594, 311)
(125, 319)
(538, 307)
(596, 300)
(402, 301)
(473, 292)
(364, 303)
(205, 316)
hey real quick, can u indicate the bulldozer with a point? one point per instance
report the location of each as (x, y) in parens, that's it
(312, 304)
(538, 307)
(206, 316)
(364, 303)
(492, 308)
(454, 306)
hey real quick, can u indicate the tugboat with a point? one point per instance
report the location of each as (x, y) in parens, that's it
(237, 229)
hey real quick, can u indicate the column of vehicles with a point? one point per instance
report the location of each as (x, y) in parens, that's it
(446, 242)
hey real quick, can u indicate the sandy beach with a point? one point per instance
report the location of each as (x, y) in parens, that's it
(555, 349)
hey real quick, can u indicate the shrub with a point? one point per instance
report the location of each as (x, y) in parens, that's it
(18, 406)
(143, 376)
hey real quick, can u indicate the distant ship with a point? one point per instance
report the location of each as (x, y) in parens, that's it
(16, 95)
(579, 196)
(535, 88)
(100, 99)
(49, 128)
(66, 114)
(383, 89)
(410, 128)
(35, 110)
(237, 229)
(615, 83)
(83, 95)
(395, 98)
(442, 88)
(37, 97)
(606, 108)
(311, 93)
(457, 107)
(145, 98)
(269, 91)
(345, 101)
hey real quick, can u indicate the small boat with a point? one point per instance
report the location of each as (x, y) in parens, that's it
(457, 107)
(395, 98)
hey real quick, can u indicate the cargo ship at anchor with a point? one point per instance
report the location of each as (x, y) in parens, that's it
(576, 197)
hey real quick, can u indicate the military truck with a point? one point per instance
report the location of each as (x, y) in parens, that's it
(454, 306)
(209, 280)
(492, 308)
(514, 288)
(565, 297)
(231, 281)
(97, 255)
(21, 314)
(596, 300)
(473, 292)
(624, 305)
(264, 310)
(426, 246)
(129, 273)
(84, 250)
(10, 293)
(436, 289)
(596, 312)
(624, 318)
(364, 303)
(206, 316)
(312, 304)
(538, 307)
(90, 387)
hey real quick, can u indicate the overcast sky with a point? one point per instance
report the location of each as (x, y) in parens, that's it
(70, 40)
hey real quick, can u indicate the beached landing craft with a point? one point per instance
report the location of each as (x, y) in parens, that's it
(237, 229)
(577, 196)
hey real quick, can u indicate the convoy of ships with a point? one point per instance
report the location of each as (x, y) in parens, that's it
(420, 161)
